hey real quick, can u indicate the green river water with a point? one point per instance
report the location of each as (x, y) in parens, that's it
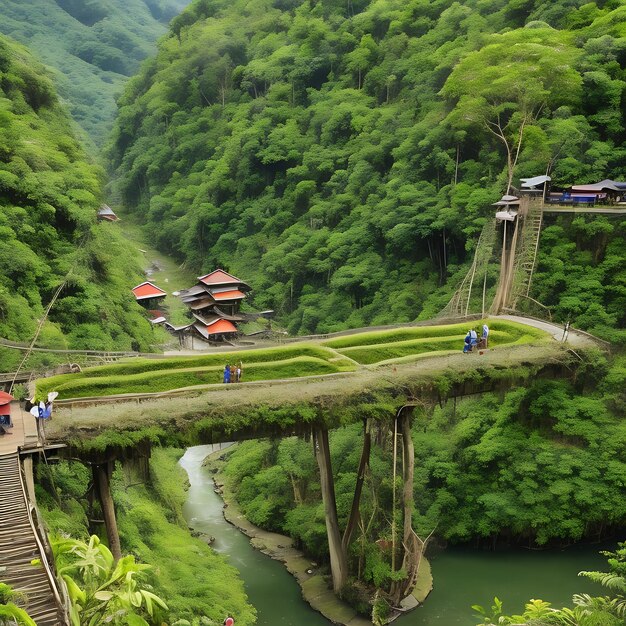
(462, 576)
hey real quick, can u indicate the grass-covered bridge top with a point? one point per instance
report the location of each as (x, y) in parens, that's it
(288, 389)
(331, 356)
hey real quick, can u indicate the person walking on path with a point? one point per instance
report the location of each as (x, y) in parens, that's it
(485, 337)
(227, 374)
(474, 337)
(239, 371)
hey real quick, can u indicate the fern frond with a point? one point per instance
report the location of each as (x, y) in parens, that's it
(609, 580)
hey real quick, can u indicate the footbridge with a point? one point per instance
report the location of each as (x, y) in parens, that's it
(26, 562)
(215, 412)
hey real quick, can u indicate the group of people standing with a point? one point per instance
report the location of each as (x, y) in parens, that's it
(232, 373)
(472, 341)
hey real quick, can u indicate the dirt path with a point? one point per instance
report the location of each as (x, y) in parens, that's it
(574, 337)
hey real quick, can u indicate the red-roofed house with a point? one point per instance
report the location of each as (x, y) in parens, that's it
(216, 328)
(148, 295)
(221, 278)
(214, 302)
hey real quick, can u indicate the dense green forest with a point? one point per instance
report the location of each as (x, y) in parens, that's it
(92, 46)
(343, 157)
(536, 466)
(49, 195)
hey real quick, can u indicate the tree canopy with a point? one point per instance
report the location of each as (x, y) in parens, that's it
(49, 196)
(344, 156)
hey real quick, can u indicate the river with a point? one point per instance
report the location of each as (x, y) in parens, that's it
(462, 576)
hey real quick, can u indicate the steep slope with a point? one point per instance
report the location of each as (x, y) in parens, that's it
(49, 195)
(342, 156)
(94, 46)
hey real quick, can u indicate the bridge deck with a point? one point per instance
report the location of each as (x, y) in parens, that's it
(22, 435)
(257, 409)
(583, 209)
(19, 546)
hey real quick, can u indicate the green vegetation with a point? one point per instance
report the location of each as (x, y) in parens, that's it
(389, 346)
(153, 531)
(292, 361)
(609, 610)
(49, 195)
(368, 338)
(343, 156)
(151, 375)
(101, 590)
(11, 613)
(93, 48)
(537, 465)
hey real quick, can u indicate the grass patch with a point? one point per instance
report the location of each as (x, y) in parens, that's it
(376, 353)
(292, 361)
(428, 332)
(166, 380)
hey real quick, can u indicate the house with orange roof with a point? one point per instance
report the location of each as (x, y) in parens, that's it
(214, 303)
(148, 294)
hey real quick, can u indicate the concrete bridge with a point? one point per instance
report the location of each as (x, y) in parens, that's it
(217, 412)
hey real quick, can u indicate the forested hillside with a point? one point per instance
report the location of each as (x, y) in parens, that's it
(532, 466)
(95, 46)
(49, 195)
(343, 156)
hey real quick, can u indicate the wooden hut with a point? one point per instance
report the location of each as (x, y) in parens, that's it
(149, 295)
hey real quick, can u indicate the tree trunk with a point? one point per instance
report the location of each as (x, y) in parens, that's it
(338, 556)
(356, 500)
(101, 480)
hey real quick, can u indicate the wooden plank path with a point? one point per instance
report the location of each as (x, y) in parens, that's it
(22, 435)
(19, 542)
(20, 545)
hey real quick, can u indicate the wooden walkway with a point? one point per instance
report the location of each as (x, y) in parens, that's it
(22, 435)
(601, 210)
(19, 545)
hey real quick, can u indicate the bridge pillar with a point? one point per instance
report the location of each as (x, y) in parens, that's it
(360, 478)
(101, 474)
(338, 555)
(412, 545)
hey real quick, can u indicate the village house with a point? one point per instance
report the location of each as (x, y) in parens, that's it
(215, 302)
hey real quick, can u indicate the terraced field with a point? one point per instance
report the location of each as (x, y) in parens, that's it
(333, 356)
(407, 344)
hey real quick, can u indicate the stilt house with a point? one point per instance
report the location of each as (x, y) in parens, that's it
(214, 303)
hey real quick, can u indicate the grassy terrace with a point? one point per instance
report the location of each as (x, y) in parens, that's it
(337, 355)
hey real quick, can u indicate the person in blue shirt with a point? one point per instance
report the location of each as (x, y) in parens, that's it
(467, 345)
(227, 374)
(474, 337)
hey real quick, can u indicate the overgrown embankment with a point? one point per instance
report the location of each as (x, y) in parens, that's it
(194, 580)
